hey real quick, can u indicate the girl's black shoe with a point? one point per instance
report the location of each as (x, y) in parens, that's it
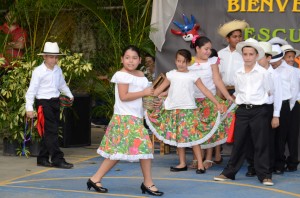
(150, 192)
(200, 171)
(90, 184)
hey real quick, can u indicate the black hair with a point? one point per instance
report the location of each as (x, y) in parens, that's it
(133, 48)
(185, 53)
(267, 55)
(213, 53)
(230, 33)
(149, 55)
(200, 41)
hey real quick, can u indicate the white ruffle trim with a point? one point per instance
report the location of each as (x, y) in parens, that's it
(186, 144)
(119, 156)
(223, 116)
(213, 144)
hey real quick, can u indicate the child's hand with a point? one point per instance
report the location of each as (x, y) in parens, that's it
(158, 102)
(149, 91)
(221, 107)
(231, 99)
(30, 114)
(275, 122)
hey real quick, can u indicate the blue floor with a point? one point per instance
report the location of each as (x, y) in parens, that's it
(125, 178)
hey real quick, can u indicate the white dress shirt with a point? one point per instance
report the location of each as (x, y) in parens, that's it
(230, 62)
(252, 87)
(289, 81)
(276, 94)
(45, 84)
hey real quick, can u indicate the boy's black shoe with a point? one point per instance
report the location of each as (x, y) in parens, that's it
(250, 173)
(63, 164)
(290, 169)
(44, 163)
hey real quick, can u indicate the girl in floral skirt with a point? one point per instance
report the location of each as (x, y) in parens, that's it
(178, 123)
(207, 69)
(126, 137)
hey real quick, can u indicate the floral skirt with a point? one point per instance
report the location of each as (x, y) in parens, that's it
(208, 114)
(126, 138)
(179, 127)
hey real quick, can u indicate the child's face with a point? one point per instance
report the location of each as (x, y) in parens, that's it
(276, 64)
(265, 61)
(289, 58)
(50, 60)
(130, 60)
(235, 38)
(181, 63)
(204, 52)
(249, 56)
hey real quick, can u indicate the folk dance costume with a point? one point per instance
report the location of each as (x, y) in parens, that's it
(178, 123)
(126, 138)
(208, 113)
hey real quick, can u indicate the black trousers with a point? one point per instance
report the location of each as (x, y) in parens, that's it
(281, 135)
(49, 142)
(250, 149)
(292, 137)
(250, 124)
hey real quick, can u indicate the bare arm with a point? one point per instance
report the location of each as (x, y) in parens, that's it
(129, 96)
(219, 82)
(162, 87)
(208, 93)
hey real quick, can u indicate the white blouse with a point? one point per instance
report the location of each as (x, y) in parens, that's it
(136, 84)
(181, 91)
(204, 71)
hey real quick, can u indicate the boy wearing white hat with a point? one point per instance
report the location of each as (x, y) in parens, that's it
(252, 90)
(293, 134)
(230, 59)
(289, 95)
(47, 82)
(273, 104)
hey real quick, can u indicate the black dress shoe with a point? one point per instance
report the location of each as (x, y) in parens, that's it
(250, 174)
(150, 192)
(90, 184)
(44, 163)
(174, 169)
(63, 164)
(200, 171)
(278, 172)
(290, 169)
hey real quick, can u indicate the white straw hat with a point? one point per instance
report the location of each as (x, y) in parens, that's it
(289, 48)
(51, 49)
(251, 43)
(228, 27)
(267, 47)
(279, 53)
(278, 41)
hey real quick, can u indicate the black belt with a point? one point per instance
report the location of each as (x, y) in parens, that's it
(250, 106)
(54, 99)
(285, 101)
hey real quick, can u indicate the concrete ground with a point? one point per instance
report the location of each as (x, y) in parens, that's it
(20, 178)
